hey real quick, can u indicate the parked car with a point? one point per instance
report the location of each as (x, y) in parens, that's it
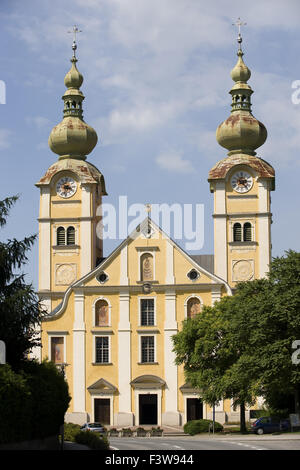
(95, 427)
(268, 424)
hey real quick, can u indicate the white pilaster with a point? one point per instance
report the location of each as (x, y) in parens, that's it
(220, 231)
(264, 228)
(171, 415)
(79, 357)
(86, 231)
(125, 416)
(45, 252)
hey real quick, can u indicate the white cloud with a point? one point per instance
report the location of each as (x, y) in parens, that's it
(172, 161)
(5, 135)
(39, 122)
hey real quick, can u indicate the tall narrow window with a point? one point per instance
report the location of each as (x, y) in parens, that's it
(147, 312)
(147, 348)
(101, 313)
(102, 350)
(57, 349)
(70, 236)
(193, 307)
(146, 267)
(237, 232)
(60, 236)
(247, 232)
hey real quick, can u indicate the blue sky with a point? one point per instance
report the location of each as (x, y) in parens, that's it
(156, 81)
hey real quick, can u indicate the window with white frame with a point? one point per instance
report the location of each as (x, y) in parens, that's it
(102, 350)
(147, 349)
(147, 312)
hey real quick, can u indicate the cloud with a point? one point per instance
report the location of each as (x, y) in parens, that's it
(174, 162)
(5, 135)
(39, 122)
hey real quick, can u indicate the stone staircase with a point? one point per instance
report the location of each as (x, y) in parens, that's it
(173, 431)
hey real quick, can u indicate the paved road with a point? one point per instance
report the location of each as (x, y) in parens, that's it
(174, 444)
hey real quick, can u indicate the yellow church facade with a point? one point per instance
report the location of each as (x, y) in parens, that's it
(110, 321)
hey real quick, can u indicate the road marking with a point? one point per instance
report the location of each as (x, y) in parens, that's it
(177, 447)
(113, 448)
(245, 445)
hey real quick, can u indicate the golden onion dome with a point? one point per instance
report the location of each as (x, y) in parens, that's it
(72, 137)
(241, 132)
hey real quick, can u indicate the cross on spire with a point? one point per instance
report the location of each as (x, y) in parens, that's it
(239, 23)
(74, 45)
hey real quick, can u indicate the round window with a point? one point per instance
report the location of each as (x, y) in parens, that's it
(193, 275)
(102, 277)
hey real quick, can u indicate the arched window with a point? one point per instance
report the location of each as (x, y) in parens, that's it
(146, 267)
(60, 236)
(237, 232)
(247, 229)
(101, 313)
(70, 236)
(193, 307)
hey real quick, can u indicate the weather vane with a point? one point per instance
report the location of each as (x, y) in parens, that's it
(148, 209)
(239, 23)
(74, 31)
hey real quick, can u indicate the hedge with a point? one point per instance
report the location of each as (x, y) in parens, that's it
(33, 401)
(200, 425)
(92, 440)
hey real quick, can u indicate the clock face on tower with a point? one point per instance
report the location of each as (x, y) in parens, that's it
(66, 187)
(242, 182)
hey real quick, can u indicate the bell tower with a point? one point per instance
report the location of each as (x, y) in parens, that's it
(71, 190)
(241, 183)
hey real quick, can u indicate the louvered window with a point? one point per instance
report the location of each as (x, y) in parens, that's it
(61, 236)
(247, 232)
(237, 232)
(70, 236)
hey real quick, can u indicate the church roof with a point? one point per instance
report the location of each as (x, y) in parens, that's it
(221, 168)
(86, 172)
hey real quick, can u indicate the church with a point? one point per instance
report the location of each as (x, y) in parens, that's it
(110, 321)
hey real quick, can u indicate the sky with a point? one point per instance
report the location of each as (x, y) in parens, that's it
(156, 82)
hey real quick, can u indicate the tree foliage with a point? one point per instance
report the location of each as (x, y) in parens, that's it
(242, 347)
(20, 310)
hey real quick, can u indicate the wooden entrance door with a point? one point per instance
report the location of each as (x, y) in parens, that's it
(148, 408)
(194, 408)
(102, 410)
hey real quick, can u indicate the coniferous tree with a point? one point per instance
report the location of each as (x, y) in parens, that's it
(20, 311)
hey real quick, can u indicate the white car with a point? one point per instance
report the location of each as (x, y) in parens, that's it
(95, 427)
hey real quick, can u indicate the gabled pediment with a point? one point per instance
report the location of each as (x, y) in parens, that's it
(147, 381)
(102, 386)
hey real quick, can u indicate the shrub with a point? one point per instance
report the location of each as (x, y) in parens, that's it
(92, 440)
(33, 401)
(200, 425)
(70, 431)
(15, 406)
(50, 397)
(127, 432)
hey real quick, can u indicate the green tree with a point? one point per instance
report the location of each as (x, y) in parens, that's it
(212, 356)
(242, 347)
(20, 310)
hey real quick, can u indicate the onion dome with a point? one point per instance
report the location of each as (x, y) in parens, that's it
(72, 137)
(241, 132)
